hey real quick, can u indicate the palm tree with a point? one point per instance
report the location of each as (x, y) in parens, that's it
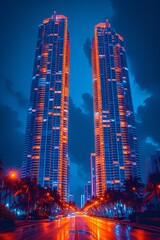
(112, 196)
(72, 205)
(113, 199)
(152, 187)
(44, 198)
(87, 204)
(133, 184)
(55, 195)
(1, 178)
(27, 188)
(9, 186)
(132, 194)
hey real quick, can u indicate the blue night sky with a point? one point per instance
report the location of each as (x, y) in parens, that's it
(137, 21)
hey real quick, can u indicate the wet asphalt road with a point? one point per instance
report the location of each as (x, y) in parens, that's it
(79, 227)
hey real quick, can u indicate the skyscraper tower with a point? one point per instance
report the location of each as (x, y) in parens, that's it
(87, 191)
(93, 174)
(116, 144)
(46, 138)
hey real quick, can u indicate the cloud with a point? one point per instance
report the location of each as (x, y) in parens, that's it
(145, 149)
(87, 48)
(87, 103)
(138, 22)
(81, 138)
(21, 100)
(77, 181)
(12, 139)
(149, 116)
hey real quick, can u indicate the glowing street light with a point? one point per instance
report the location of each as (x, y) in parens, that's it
(12, 175)
(158, 191)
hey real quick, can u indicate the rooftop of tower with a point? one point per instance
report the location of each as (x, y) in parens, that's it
(55, 17)
(107, 25)
(104, 25)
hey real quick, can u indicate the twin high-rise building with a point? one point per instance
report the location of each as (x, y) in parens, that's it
(116, 145)
(46, 139)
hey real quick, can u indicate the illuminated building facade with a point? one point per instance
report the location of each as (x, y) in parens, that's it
(71, 198)
(82, 201)
(87, 191)
(116, 144)
(46, 139)
(93, 174)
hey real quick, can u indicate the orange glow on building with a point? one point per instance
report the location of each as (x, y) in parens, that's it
(99, 141)
(46, 20)
(116, 145)
(46, 146)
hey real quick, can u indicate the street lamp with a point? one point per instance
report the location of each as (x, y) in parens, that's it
(12, 175)
(158, 192)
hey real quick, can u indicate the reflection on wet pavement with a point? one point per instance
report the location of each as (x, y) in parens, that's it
(80, 227)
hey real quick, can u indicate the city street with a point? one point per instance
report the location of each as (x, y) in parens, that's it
(79, 227)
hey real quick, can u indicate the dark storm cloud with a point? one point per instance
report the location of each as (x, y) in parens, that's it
(87, 103)
(21, 100)
(12, 139)
(145, 148)
(149, 116)
(81, 142)
(138, 21)
(87, 47)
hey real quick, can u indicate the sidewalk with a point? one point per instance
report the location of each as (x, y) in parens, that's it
(139, 225)
(21, 223)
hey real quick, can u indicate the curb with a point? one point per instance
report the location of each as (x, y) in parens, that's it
(142, 227)
(25, 224)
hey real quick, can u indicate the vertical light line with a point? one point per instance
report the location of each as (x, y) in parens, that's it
(63, 154)
(98, 127)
